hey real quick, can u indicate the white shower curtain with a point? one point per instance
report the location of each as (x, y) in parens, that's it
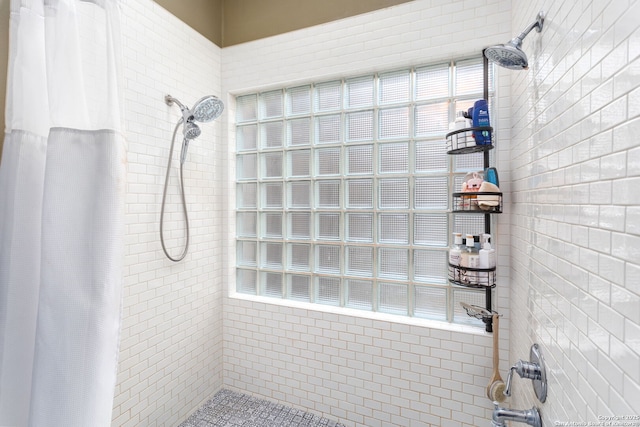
(61, 215)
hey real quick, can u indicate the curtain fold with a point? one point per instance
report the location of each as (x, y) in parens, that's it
(61, 215)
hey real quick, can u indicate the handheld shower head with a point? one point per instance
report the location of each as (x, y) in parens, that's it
(207, 109)
(510, 55)
(191, 130)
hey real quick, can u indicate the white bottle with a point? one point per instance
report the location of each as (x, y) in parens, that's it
(469, 259)
(455, 253)
(487, 260)
(461, 122)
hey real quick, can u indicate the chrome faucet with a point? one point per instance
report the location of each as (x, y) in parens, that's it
(527, 416)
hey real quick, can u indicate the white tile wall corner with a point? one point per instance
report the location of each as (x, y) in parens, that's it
(575, 239)
(365, 372)
(171, 346)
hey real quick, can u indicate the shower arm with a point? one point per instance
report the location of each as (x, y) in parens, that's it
(187, 116)
(537, 25)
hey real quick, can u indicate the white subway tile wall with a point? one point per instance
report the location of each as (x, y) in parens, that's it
(365, 371)
(569, 162)
(171, 346)
(575, 179)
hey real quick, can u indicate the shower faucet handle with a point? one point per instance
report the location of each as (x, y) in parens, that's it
(526, 370)
(534, 371)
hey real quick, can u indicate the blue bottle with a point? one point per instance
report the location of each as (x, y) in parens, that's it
(480, 118)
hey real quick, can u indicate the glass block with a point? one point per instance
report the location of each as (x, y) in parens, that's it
(359, 126)
(246, 224)
(360, 294)
(431, 119)
(393, 298)
(299, 132)
(327, 259)
(299, 289)
(469, 297)
(431, 193)
(359, 227)
(360, 193)
(299, 100)
(271, 165)
(393, 228)
(394, 87)
(271, 225)
(271, 135)
(360, 261)
(271, 104)
(299, 194)
(431, 230)
(359, 92)
(431, 156)
(246, 195)
(246, 108)
(328, 226)
(247, 137)
(246, 166)
(469, 77)
(328, 161)
(271, 284)
(246, 252)
(360, 159)
(393, 263)
(299, 225)
(298, 256)
(246, 281)
(328, 129)
(328, 290)
(271, 193)
(430, 266)
(432, 82)
(393, 123)
(470, 162)
(468, 224)
(271, 255)
(430, 303)
(299, 163)
(394, 158)
(393, 193)
(464, 104)
(328, 96)
(328, 194)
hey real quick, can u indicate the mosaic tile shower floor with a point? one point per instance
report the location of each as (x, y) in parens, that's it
(232, 409)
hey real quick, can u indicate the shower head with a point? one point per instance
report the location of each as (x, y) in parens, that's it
(510, 55)
(191, 130)
(205, 110)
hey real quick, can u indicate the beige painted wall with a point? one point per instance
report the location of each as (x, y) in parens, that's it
(246, 20)
(204, 16)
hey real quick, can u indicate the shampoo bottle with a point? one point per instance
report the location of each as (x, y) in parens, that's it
(480, 118)
(487, 258)
(461, 122)
(455, 253)
(469, 259)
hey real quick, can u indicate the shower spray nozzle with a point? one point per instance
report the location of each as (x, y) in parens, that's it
(205, 110)
(510, 55)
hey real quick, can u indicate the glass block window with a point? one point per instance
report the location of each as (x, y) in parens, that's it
(343, 191)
